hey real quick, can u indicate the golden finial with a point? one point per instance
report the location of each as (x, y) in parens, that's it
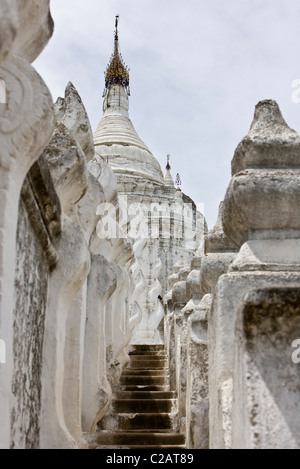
(117, 72)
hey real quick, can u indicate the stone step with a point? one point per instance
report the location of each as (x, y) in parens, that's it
(148, 364)
(163, 369)
(146, 421)
(147, 348)
(143, 387)
(142, 380)
(145, 395)
(139, 439)
(148, 430)
(172, 447)
(146, 358)
(158, 353)
(143, 372)
(144, 405)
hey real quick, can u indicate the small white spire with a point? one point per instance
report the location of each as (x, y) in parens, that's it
(168, 177)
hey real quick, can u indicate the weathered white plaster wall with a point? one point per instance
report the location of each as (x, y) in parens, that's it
(26, 124)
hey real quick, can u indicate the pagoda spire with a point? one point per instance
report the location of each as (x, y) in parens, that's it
(116, 72)
(168, 177)
(168, 167)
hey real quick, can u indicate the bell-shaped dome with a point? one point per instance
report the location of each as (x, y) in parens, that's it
(117, 141)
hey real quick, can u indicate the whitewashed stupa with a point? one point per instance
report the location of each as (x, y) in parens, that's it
(163, 223)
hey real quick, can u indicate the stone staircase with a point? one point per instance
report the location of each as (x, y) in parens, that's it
(144, 410)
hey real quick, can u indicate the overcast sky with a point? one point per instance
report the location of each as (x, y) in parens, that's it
(197, 70)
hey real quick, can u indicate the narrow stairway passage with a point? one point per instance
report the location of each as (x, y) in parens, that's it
(144, 412)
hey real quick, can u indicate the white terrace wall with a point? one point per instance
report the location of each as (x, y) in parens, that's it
(240, 337)
(65, 333)
(260, 312)
(26, 125)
